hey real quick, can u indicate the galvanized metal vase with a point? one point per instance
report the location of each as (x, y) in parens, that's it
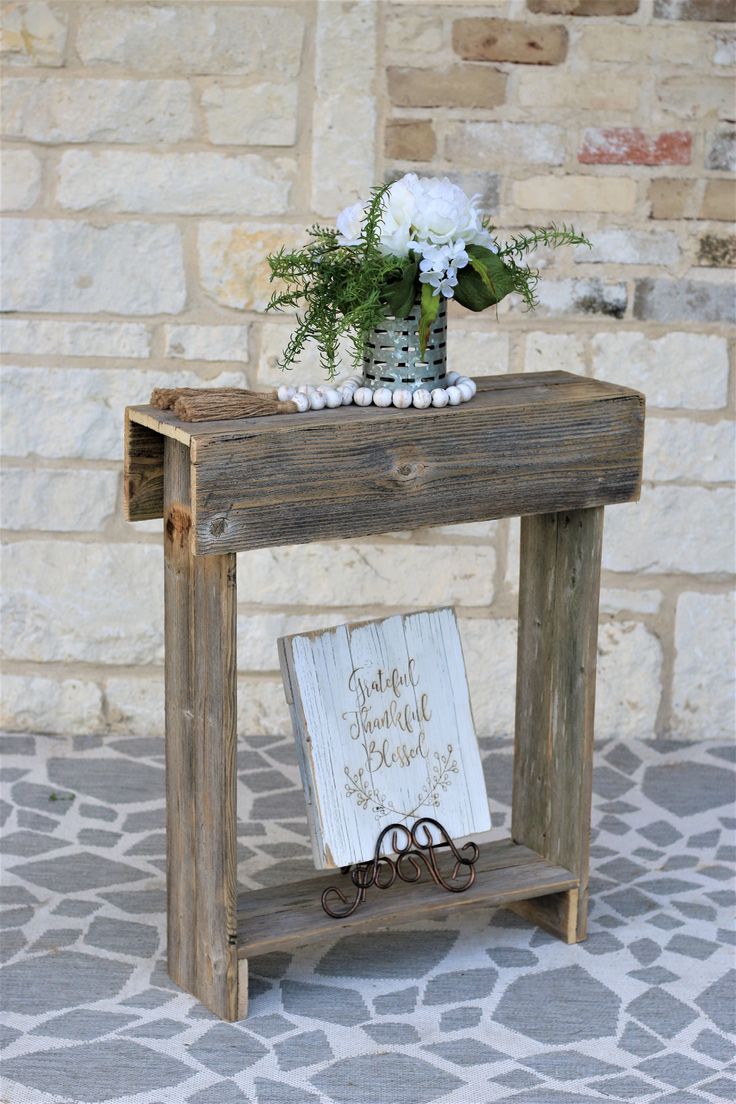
(392, 358)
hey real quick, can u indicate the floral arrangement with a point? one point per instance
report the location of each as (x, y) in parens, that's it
(416, 241)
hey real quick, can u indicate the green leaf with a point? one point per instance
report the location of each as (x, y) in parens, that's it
(400, 295)
(484, 281)
(430, 310)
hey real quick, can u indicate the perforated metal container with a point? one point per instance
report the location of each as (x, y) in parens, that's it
(392, 359)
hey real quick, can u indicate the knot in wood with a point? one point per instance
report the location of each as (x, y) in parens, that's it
(408, 471)
(178, 524)
(218, 527)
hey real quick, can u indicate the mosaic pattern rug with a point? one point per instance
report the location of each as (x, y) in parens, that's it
(472, 1008)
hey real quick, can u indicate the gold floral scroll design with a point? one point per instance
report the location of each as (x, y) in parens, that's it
(368, 796)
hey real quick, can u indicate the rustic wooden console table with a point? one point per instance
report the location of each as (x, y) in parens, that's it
(552, 447)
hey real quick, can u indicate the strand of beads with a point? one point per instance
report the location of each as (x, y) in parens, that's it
(350, 390)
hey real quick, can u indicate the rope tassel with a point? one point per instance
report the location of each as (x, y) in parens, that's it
(193, 404)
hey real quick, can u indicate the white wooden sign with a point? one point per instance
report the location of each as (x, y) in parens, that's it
(383, 727)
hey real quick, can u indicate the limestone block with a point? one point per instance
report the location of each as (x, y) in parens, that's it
(618, 600)
(640, 247)
(489, 648)
(513, 549)
(38, 420)
(38, 704)
(412, 29)
(554, 352)
(82, 109)
(193, 38)
(409, 140)
(73, 601)
(232, 260)
(57, 500)
(258, 632)
(575, 193)
(344, 575)
(704, 688)
(664, 368)
(477, 530)
(468, 86)
(696, 97)
(677, 301)
(671, 45)
(717, 251)
(196, 342)
(490, 144)
(594, 91)
(262, 709)
(343, 168)
(674, 199)
(274, 338)
(477, 352)
(721, 155)
(672, 529)
(174, 183)
(126, 268)
(49, 337)
(628, 688)
(263, 114)
(724, 52)
(135, 704)
(33, 34)
(20, 172)
(710, 10)
(719, 200)
(344, 110)
(558, 298)
(510, 40)
(679, 448)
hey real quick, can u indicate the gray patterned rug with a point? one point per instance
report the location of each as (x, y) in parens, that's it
(463, 1010)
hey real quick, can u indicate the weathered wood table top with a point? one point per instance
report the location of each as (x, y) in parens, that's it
(525, 444)
(552, 447)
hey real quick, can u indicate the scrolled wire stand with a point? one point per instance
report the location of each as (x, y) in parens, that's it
(416, 855)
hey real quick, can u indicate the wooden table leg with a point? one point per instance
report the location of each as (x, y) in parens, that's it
(555, 699)
(200, 755)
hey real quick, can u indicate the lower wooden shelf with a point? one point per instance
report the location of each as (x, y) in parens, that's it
(285, 916)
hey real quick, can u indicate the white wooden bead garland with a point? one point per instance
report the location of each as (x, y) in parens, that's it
(459, 389)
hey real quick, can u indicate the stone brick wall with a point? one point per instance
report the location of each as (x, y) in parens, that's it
(155, 153)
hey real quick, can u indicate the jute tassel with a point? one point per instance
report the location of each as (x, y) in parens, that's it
(164, 397)
(193, 404)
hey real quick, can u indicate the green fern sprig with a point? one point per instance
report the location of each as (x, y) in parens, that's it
(552, 236)
(341, 287)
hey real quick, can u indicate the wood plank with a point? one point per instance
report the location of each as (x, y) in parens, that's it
(200, 754)
(143, 479)
(509, 390)
(555, 700)
(271, 490)
(282, 917)
(525, 444)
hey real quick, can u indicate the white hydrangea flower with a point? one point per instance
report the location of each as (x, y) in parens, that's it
(349, 223)
(420, 213)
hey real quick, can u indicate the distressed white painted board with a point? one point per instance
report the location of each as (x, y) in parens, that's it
(384, 731)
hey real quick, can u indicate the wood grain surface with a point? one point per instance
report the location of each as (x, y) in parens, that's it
(199, 594)
(555, 700)
(525, 444)
(143, 477)
(286, 916)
